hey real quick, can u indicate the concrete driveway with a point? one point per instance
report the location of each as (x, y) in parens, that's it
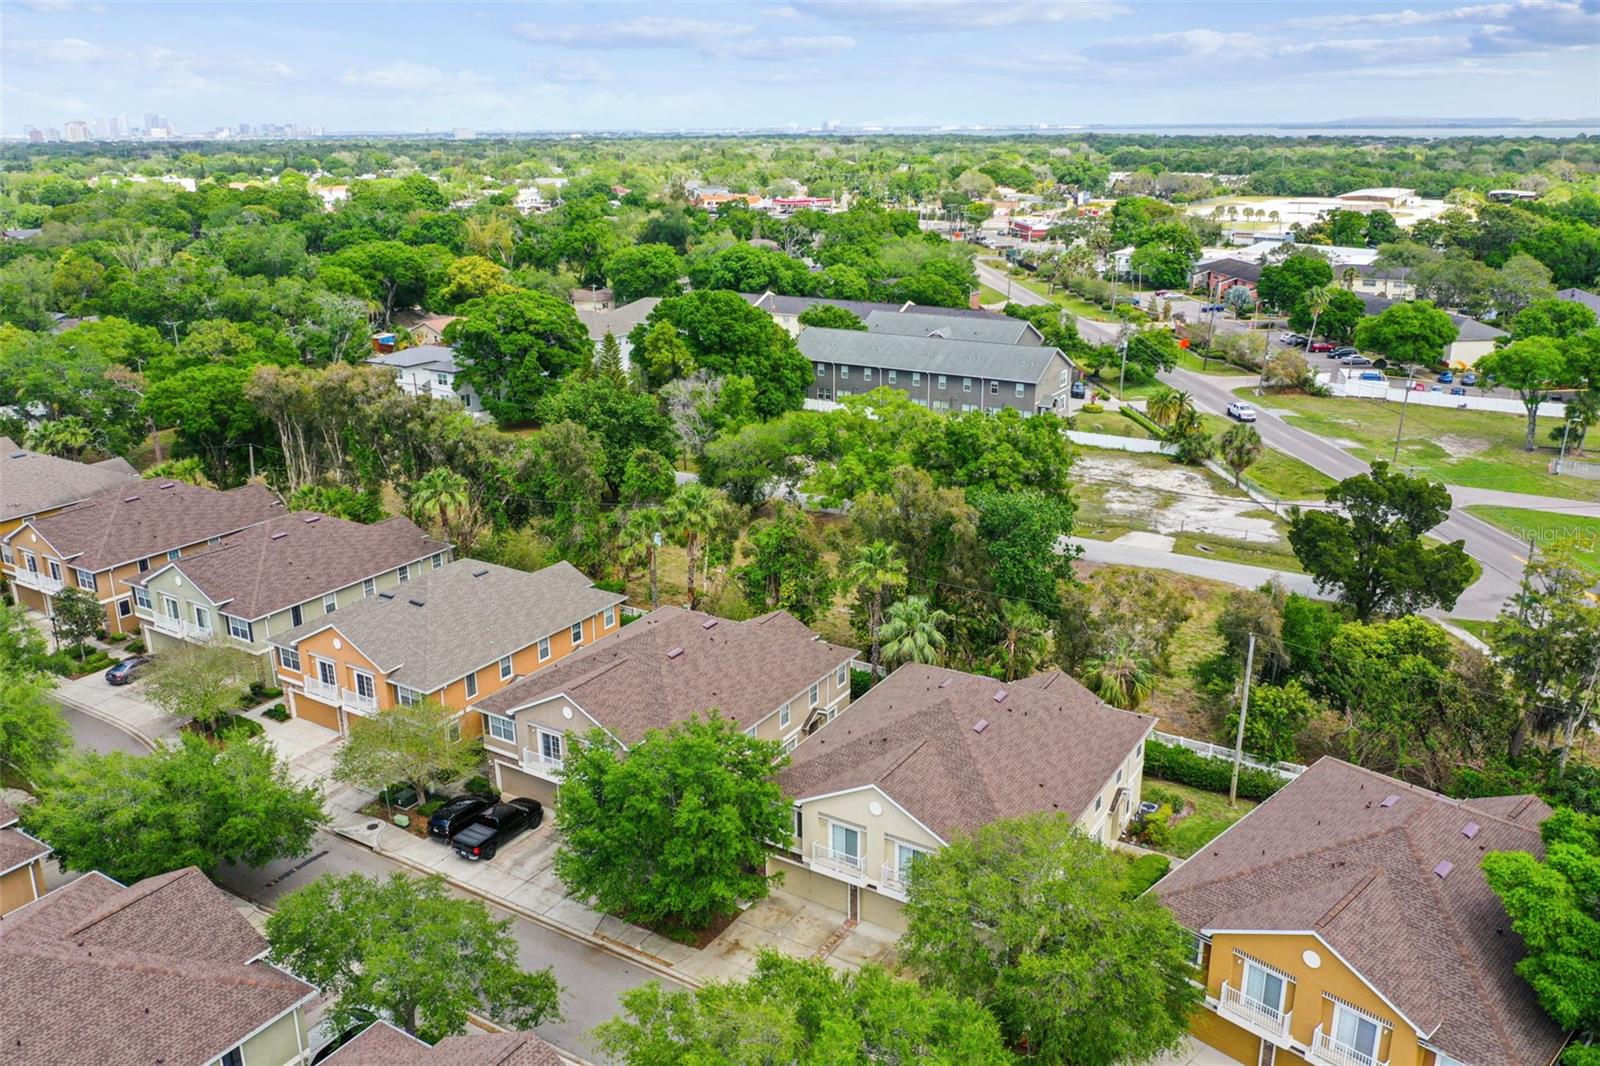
(124, 706)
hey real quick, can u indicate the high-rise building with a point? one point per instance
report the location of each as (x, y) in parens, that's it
(35, 135)
(77, 131)
(152, 120)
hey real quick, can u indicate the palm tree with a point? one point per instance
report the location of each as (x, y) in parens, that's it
(491, 237)
(1022, 639)
(638, 545)
(692, 513)
(1240, 446)
(876, 568)
(67, 437)
(1349, 278)
(1168, 406)
(441, 497)
(1122, 677)
(911, 634)
(1317, 302)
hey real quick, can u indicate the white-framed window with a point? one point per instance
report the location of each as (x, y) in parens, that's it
(144, 566)
(327, 673)
(844, 373)
(441, 377)
(916, 380)
(438, 560)
(1022, 390)
(866, 373)
(1197, 946)
(505, 668)
(289, 659)
(820, 370)
(172, 555)
(799, 822)
(296, 615)
(550, 746)
(942, 382)
(213, 541)
(845, 392)
(369, 588)
(5, 555)
(905, 856)
(124, 608)
(452, 730)
(994, 387)
(791, 742)
(407, 697)
(845, 840)
(969, 407)
(610, 618)
(750, 732)
(1099, 801)
(171, 607)
(544, 648)
(29, 563)
(783, 717)
(816, 694)
(894, 377)
(966, 384)
(141, 596)
(841, 676)
(1356, 1034)
(500, 728)
(202, 618)
(239, 629)
(1119, 775)
(824, 394)
(330, 603)
(84, 578)
(365, 687)
(577, 633)
(55, 568)
(403, 572)
(472, 685)
(1263, 987)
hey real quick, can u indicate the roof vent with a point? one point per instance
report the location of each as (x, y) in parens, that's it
(674, 653)
(1390, 800)
(1469, 830)
(708, 624)
(946, 682)
(313, 520)
(479, 573)
(167, 485)
(130, 499)
(1444, 868)
(385, 595)
(998, 696)
(980, 725)
(415, 603)
(279, 536)
(19, 455)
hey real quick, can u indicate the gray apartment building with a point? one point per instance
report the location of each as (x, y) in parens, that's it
(938, 371)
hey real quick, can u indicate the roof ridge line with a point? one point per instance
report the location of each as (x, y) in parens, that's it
(1295, 857)
(1349, 897)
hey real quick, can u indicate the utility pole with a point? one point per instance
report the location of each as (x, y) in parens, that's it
(1405, 401)
(252, 448)
(1566, 431)
(1244, 709)
(1122, 375)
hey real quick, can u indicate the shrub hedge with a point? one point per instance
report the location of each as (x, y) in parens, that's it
(1169, 762)
(277, 712)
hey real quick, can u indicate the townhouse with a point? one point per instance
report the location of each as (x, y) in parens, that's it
(937, 371)
(1002, 329)
(272, 577)
(772, 676)
(449, 635)
(104, 543)
(163, 971)
(929, 753)
(430, 370)
(1347, 922)
(785, 310)
(382, 1044)
(33, 485)
(1217, 276)
(21, 863)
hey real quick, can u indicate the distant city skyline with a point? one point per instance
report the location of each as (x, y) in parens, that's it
(237, 68)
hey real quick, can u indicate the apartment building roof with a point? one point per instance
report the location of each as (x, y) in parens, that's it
(163, 971)
(618, 321)
(1387, 874)
(959, 750)
(1241, 269)
(673, 663)
(150, 517)
(1001, 330)
(1582, 296)
(448, 622)
(381, 1044)
(32, 482)
(772, 303)
(298, 557)
(419, 357)
(17, 848)
(928, 355)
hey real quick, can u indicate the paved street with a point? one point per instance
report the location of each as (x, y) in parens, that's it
(93, 734)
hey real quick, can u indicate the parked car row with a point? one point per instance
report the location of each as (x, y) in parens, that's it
(477, 828)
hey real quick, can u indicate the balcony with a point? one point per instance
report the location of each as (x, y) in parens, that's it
(1261, 1016)
(317, 690)
(852, 866)
(170, 626)
(893, 879)
(36, 579)
(1329, 1050)
(537, 762)
(201, 633)
(357, 702)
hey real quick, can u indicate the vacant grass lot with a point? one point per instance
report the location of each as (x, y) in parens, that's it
(1282, 475)
(1110, 423)
(1480, 449)
(1546, 529)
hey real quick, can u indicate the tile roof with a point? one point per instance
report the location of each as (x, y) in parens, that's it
(31, 482)
(381, 1044)
(1004, 330)
(149, 518)
(298, 557)
(158, 972)
(1049, 745)
(1325, 854)
(631, 682)
(792, 305)
(419, 357)
(447, 622)
(957, 358)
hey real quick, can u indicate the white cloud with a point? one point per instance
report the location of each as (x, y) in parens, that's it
(574, 70)
(60, 50)
(399, 76)
(727, 40)
(949, 16)
(51, 7)
(1524, 27)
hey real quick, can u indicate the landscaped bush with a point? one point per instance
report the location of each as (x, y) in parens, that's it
(277, 712)
(1154, 793)
(1173, 763)
(426, 810)
(1139, 418)
(136, 647)
(114, 638)
(1152, 829)
(480, 786)
(67, 664)
(1092, 408)
(238, 727)
(260, 692)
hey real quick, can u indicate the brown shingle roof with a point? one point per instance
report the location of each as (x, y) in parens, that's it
(1049, 745)
(444, 623)
(1326, 855)
(18, 849)
(298, 557)
(31, 482)
(159, 972)
(630, 683)
(381, 1044)
(148, 518)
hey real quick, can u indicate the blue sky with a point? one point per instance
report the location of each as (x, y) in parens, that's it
(665, 66)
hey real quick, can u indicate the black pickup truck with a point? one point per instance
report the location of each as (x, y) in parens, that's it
(496, 827)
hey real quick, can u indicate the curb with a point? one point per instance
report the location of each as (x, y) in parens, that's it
(101, 716)
(615, 948)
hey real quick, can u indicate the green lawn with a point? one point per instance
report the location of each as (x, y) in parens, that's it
(1187, 360)
(1064, 299)
(1479, 449)
(1546, 528)
(1211, 815)
(1275, 555)
(1282, 475)
(1110, 423)
(988, 296)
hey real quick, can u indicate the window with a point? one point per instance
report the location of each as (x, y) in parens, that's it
(55, 568)
(172, 555)
(142, 597)
(894, 376)
(610, 617)
(844, 373)
(364, 685)
(1198, 944)
(905, 856)
(866, 373)
(296, 616)
(969, 407)
(824, 394)
(783, 717)
(844, 840)
(327, 674)
(442, 378)
(438, 560)
(124, 608)
(941, 405)
(750, 732)
(404, 573)
(369, 588)
(544, 649)
(816, 695)
(29, 563)
(1021, 389)
(994, 388)
(843, 393)
(791, 742)
(5, 555)
(501, 728)
(330, 603)
(1357, 1034)
(966, 384)
(819, 370)
(1098, 802)
(407, 697)
(84, 578)
(799, 822)
(942, 381)
(550, 747)
(505, 668)
(240, 629)
(171, 606)
(841, 676)
(202, 619)
(213, 541)
(232, 1058)
(289, 660)
(1263, 987)
(472, 685)
(916, 381)
(577, 632)
(453, 730)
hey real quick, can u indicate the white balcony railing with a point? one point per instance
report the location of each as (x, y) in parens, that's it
(319, 691)
(200, 633)
(841, 861)
(893, 878)
(37, 579)
(540, 763)
(170, 626)
(1328, 1049)
(356, 701)
(1261, 1015)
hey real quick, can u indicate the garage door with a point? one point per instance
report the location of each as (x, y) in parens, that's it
(516, 783)
(314, 711)
(882, 910)
(809, 885)
(158, 641)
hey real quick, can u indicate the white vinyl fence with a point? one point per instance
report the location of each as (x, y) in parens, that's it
(1289, 770)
